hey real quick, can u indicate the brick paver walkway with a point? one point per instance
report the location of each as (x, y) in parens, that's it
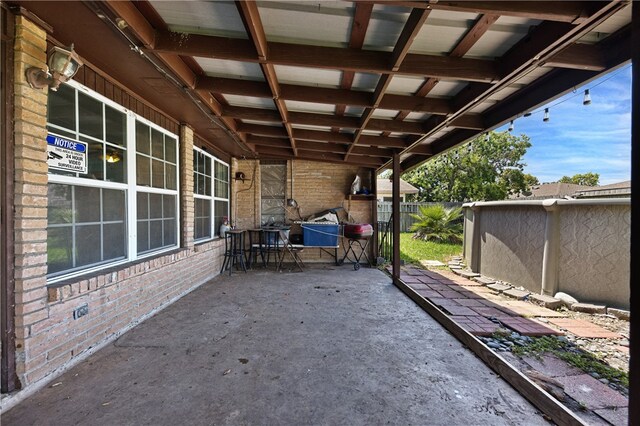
(474, 307)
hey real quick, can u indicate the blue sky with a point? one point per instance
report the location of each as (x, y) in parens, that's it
(578, 138)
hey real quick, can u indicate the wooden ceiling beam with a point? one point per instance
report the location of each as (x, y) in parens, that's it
(469, 121)
(579, 56)
(410, 127)
(135, 20)
(383, 141)
(561, 11)
(261, 130)
(250, 16)
(323, 57)
(400, 51)
(369, 162)
(233, 86)
(323, 95)
(257, 114)
(267, 141)
(477, 30)
(320, 136)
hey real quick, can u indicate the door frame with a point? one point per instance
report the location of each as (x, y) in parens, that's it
(8, 378)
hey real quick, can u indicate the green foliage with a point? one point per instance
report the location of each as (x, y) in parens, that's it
(437, 223)
(480, 170)
(574, 356)
(413, 251)
(588, 179)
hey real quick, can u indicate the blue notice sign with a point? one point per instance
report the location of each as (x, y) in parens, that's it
(66, 154)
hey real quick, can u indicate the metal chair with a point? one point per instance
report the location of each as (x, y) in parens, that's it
(233, 251)
(272, 244)
(294, 252)
(256, 247)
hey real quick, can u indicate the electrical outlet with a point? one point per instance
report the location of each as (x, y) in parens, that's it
(81, 311)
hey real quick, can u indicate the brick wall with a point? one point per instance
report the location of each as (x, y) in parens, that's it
(317, 186)
(48, 337)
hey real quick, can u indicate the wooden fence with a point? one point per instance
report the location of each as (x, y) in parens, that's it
(406, 209)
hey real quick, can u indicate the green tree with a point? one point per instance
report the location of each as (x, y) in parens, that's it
(480, 170)
(588, 179)
(437, 223)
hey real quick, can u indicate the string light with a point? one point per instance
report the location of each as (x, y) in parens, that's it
(546, 115)
(587, 98)
(511, 126)
(486, 137)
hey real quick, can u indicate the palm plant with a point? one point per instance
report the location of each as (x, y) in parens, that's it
(437, 223)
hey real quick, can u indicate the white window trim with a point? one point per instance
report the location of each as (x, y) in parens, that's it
(130, 188)
(212, 198)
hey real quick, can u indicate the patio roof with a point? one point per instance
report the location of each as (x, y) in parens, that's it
(356, 82)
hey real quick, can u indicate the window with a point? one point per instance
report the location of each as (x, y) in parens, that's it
(273, 178)
(211, 194)
(126, 204)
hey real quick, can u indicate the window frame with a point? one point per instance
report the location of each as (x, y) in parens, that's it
(215, 233)
(130, 187)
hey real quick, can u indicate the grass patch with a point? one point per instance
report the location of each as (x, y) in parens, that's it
(413, 251)
(574, 356)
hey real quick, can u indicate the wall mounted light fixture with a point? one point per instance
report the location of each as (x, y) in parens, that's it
(63, 65)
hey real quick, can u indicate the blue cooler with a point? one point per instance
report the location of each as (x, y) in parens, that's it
(320, 234)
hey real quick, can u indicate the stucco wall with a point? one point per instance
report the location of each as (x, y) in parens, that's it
(587, 254)
(511, 244)
(594, 253)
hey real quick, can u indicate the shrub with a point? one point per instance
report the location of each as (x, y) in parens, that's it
(437, 223)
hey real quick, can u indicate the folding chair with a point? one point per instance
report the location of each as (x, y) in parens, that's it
(294, 252)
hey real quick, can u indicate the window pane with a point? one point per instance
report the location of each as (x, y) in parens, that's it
(143, 236)
(143, 141)
(200, 186)
(142, 205)
(222, 172)
(155, 206)
(221, 211)
(60, 208)
(157, 174)
(88, 245)
(222, 189)
(203, 218)
(90, 116)
(168, 206)
(157, 145)
(171, 182)
(143, 170)
(155, 234)
(95, 160)
(59, 249)
(87, 204)
(116, 165)
(61, 109)
(116, 123)
(113, 205)
(207, 166)
(115, 242)
(169, 232)
(170, 149)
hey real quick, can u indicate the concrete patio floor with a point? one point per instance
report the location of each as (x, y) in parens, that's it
(327, 346)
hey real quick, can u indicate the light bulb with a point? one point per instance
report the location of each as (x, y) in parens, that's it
(546, 115)
(511, 126)
(587, 98)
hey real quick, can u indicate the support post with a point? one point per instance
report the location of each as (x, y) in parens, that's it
(474, 263)
(634, 362)
(550, 254)
(395, 211)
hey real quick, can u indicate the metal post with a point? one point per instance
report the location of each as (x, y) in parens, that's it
(634, 363)
(395, 212)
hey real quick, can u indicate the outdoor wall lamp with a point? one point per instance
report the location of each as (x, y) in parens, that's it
(63, 65)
